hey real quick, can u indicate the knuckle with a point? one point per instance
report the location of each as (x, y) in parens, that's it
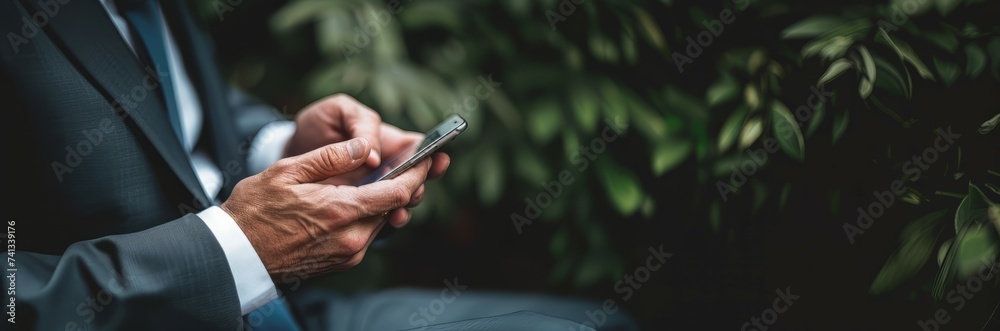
(373, 114)
(399, 196)
(355, 244)
(333, 155)
(279, 167)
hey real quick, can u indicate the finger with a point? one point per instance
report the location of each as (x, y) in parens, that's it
(371, 232)
(441, 163)
(418, 196)
(324, 162)
(386, 195)
(399, 217)
(395, 140)
(361, 121)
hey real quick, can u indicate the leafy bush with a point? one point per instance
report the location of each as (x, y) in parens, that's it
(831, 84)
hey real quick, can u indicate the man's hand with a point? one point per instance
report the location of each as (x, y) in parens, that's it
(334, 119)
(341, 117)
(297, 224)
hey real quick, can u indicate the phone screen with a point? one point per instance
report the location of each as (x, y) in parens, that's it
(433, 140)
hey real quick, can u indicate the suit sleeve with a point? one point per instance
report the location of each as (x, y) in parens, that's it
(167, 277)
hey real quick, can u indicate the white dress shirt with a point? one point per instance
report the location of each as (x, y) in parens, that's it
(253, 284)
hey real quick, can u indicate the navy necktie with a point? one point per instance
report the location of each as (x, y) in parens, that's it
(147, 24)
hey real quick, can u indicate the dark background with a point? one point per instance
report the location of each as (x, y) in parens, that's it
(614, 60)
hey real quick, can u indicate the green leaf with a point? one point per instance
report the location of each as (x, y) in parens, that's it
(975, 60)
(836, 69)
(622, 186)
(943, 251)
(648, 207)
(946, 6)
(750, 132)
(816, 118)
(896, 84)
(615, 103)
(786, 131)
(491, 177)
(812, 27)
(560, 243)
(869, 63)
(989, 125)
(828, 48)
(531, 166)
(973, 208)
(585, 109)
(916, 244)
(650, 29)
(865, 87)
(837, 41)
(629, 50)
(906, 54)
(752, 96)
(715, 216)
(681, 102)
(978, 246)
(756, 60)
(947, 70)
(431, 14)
(297, 13)
(840, 122)
(944, 39)
(387, 94)
(722, 90)
(646, 121)
(731, 128)
(544, 121)
(571, 143)
(603, 48)
(668, 154)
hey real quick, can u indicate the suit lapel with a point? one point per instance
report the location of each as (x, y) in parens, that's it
(201, 67)
(84, 32)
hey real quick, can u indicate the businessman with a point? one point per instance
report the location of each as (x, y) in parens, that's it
(148, 195)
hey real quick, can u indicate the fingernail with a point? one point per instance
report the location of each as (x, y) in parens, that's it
(373, 155)
(354, 147)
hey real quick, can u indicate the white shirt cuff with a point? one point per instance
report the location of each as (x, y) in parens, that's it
(269, 144)
(253, 284)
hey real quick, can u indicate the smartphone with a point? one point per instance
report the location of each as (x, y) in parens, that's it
(433, 140)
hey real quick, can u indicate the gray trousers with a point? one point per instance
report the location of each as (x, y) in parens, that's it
(419, 309)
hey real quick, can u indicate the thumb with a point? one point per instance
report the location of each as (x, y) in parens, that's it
(327, 161)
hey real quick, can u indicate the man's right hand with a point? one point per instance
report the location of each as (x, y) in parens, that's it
(297, 225)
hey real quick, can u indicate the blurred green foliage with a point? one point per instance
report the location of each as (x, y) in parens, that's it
(567, 71)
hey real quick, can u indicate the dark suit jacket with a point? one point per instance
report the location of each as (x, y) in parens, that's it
(102, 191)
